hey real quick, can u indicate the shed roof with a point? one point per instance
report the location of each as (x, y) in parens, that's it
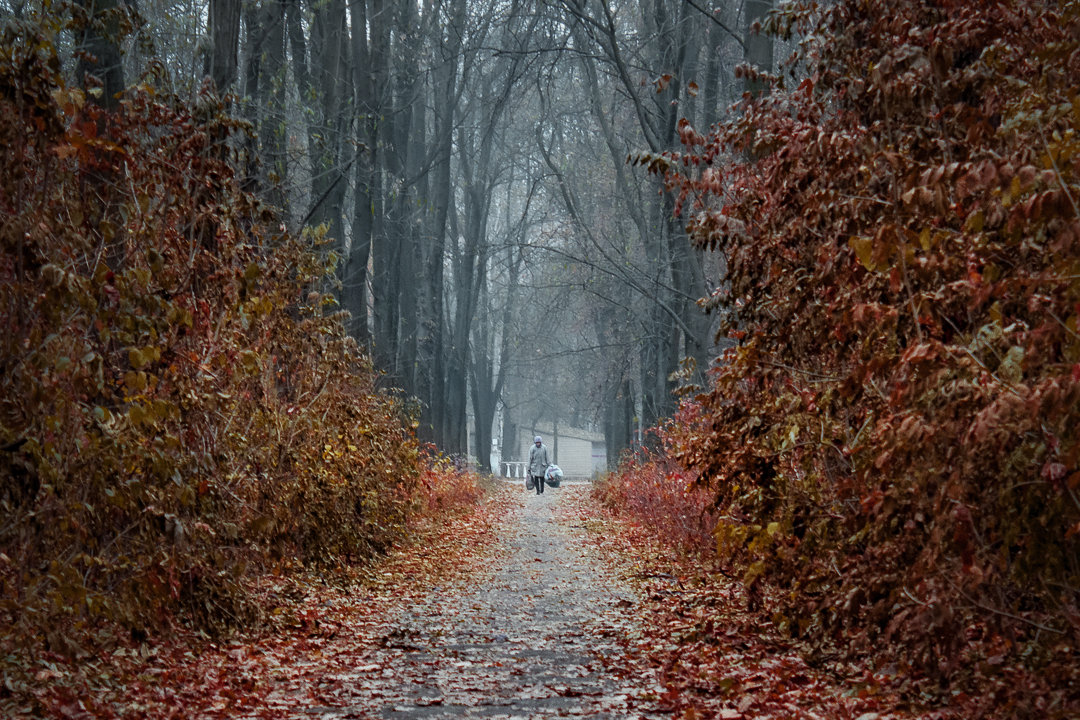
(546, 430)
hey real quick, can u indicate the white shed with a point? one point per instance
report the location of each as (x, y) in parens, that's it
(580, 453)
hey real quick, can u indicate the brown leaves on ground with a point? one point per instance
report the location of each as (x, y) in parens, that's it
(712, 657)
(666, 635)
(321, 625)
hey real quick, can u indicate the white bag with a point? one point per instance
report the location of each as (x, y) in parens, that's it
(553, 476)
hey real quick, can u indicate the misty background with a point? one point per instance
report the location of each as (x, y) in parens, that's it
(466, 167)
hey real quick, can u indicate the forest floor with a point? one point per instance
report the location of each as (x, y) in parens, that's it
(534, 606)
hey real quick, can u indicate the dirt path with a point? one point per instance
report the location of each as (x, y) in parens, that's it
(522, 637)
(545, 607)
(527, 607)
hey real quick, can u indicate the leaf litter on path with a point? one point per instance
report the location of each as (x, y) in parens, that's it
(530, 607)
(709, 655)
(522, 636)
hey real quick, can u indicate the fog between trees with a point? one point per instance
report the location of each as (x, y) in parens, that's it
(467, 165)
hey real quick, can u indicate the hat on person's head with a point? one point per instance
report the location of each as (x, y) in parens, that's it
(537, 439)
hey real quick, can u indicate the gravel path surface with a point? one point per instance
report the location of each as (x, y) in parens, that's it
(522, 638)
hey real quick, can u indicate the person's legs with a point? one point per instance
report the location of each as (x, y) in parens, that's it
(540, 483)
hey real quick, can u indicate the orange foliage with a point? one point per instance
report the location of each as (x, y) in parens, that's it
(651, 488)
(179, 410)
(446, 487)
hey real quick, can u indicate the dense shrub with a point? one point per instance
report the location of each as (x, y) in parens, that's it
(446, 487)
(654, 490)
(178, 410)
(895, 441)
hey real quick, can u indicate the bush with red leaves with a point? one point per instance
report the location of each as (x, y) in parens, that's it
(894, 444)
(653, 489)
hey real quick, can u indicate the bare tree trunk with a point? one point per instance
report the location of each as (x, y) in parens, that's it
(264, 90)
(481, 374)
(487, 379)
(710, 93)
(355, 277)
(299, 50)
(385, 249)
(100, 66)
(328, 63)
(431, 348)
(758, 46)
(411, 143)
(224, 31)
(467, 269)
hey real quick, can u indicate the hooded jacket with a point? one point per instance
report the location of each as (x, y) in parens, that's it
(539, 459)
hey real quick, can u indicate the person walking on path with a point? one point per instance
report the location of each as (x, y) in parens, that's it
(539, 459)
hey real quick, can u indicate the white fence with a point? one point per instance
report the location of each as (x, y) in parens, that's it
(515, 469)
(521, 470)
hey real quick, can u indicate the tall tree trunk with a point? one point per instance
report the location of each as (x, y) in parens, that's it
(618, 420)
(410, 142)
(710, 93)
(354, 277)
(298, 47)
(100, 66)
(431, 357)
(487, 378)
(758, 46)
(467, 269)
(385, 247)
(272, 129)
(481, 374)
(224, 31)
(264, 91)
(328, 56)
